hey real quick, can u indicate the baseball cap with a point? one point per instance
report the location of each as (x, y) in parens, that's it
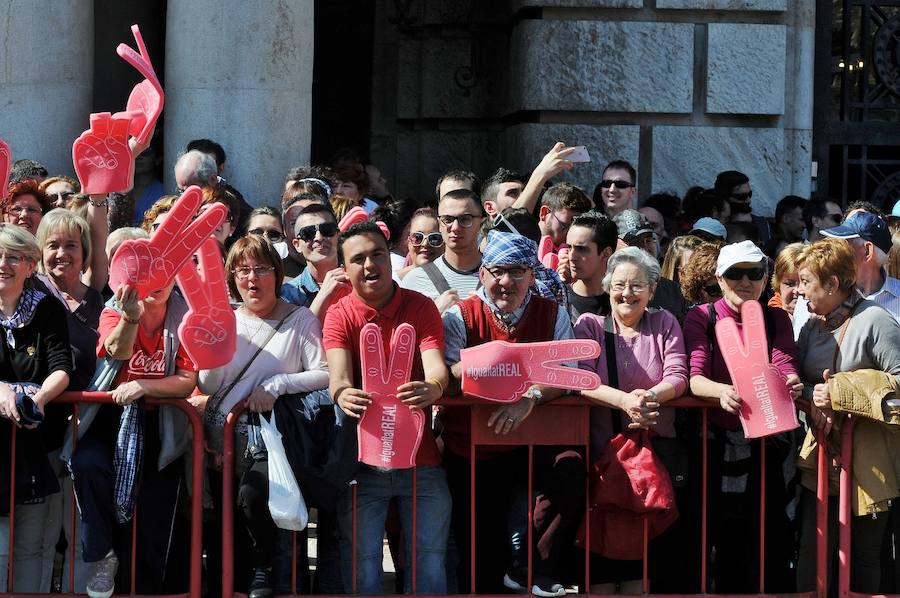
(710, 226)
(736, 253)
(863, 225)
(631, 224)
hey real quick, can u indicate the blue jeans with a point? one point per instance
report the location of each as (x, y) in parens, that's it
(374, 491)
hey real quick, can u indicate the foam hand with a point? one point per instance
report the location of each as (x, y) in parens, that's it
(145, 103)
(547, 253)
(502, 372)
(356, 215)
(389, 431)
(101, 155)
(208, 331)
(5, 161)
(151, 264)
(766, 405)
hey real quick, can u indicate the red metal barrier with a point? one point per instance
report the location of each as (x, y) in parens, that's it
(75, 398)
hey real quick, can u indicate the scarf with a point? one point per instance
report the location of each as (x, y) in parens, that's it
(28, 302)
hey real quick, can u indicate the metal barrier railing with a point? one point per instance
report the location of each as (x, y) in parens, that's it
(76, 398)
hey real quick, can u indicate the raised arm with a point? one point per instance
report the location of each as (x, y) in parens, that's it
(552, 164)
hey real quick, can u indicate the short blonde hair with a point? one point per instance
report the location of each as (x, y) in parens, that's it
(786, 264)
(61, 219)
(15, 238)
(120, 235)
(830, 257)
(340, 205)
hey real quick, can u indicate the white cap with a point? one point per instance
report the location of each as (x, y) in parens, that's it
(736, 253)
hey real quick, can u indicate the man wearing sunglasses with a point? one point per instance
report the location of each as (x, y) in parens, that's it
(454, 275)
(560, 205)
(618, 187)
(734, 187)
(322, 281)
(819, 214)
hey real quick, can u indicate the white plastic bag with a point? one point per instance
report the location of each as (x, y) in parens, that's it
(286, 502)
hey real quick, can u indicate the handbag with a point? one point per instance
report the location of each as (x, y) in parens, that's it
(628, 485)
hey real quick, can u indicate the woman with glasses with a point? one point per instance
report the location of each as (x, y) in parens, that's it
(60, 189)
(424, 243)
(25, 204)
(154, 216)
(265, 221)
(214, 195)
(282, 345)
(35, 365)
(698, 276)
(742, 273)
(651, 369)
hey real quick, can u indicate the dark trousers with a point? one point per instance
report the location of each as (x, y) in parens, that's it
(94, 480)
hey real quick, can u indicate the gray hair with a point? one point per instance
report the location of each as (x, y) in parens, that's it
(880, 255)
(15, 238)
(632, 255)
(203, 167)
(120, 235)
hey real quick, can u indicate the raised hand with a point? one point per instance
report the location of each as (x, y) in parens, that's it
(151, 264)
(101, 155)
(208, 331)
(502, 372)
(5, 161)
(765, 405)
(145, 103)
(389, 431)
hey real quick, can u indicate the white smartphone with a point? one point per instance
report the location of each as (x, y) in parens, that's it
(579, 155)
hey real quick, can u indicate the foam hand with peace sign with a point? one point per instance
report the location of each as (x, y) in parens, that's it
(5, 161)
(355, 215)
(101, 155)
(502, 372)
(208, 331)
(145, 103)
(151, 264)
(546, 253)
(766, 405)
(390, 431)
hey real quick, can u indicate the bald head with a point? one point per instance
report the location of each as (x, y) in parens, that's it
(195, 168)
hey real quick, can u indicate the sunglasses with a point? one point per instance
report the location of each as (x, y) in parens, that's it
(271, 234)
(754, 274)
(742, 196)
(433, 239)
(308, 233)
(618, 184)
(713, 290)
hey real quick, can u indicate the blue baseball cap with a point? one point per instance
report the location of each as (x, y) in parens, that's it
(863, 225)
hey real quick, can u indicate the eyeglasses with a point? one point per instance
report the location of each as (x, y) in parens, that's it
(465, 220)
(501, 220)
(12, 259)
(617, 183)
(271, 234)
(636, 287)
(562, 223)
(742, 196)
(713, 290)
(19, 210)
(755, 274)
(63, 196)
(517, 273)
(308, 233)
(243, 272)
(433, 239)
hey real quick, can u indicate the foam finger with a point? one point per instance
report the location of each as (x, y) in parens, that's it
(178, 217)
(754, 328)
(371, 357)
(402, 349)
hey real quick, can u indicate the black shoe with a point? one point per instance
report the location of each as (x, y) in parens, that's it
(260, 583)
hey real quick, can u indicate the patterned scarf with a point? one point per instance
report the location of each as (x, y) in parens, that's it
(28, 302)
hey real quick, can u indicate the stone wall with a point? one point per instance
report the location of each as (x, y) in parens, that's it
(681, 88)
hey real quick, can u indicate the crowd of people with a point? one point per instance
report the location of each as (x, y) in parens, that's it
(648, 281)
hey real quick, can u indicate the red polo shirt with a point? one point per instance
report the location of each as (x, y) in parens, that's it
(346, 318)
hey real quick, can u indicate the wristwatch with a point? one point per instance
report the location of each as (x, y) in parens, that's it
(534, 395)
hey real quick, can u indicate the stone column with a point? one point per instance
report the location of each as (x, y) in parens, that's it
(46, 80)
(240, 73)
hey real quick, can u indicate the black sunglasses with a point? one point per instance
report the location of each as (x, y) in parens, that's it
(713, 290)
(271, 234)
(308, 233)
(754, 274)
(742, 196)
(433, 239)
(618, 184)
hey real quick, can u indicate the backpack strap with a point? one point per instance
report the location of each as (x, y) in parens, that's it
(436, 277)
(612, 368)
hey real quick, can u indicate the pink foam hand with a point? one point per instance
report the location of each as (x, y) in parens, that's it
(145, 103)
(390, 432)
(5, 162)
(766, 405)
(151, 264)
(500, 371)
(545, 247)
(208, 331)
(551, 261)
(353, 216)
(101, 155)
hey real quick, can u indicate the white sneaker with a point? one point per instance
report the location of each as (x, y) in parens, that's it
(103, 576)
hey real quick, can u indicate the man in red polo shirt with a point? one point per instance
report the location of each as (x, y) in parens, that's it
(364, 253)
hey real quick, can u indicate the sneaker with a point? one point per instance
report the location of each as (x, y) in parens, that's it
(516, 579)
(103, 576)
(260, 583)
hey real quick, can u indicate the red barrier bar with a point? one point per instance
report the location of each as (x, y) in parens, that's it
(845, 502)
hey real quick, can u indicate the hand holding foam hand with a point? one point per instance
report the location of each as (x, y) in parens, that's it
(145, 103)
(390, 430)
(208, 331)
(502, 372)
(101, 155)
(765, 403)
(151, 264)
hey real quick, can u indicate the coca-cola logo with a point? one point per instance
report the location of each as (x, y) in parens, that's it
(143, 364)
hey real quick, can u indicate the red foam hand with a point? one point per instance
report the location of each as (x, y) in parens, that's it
(389, 431)
(208, 331)
(151, 264)
(145, 103)
(353, 216)
(766, 405)
(502, 372)
(545, 247)
(5, 161)
(102, 157)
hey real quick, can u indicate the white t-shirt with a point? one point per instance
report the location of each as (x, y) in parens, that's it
(465, 283)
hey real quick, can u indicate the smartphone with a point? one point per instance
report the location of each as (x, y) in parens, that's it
(579, 155)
